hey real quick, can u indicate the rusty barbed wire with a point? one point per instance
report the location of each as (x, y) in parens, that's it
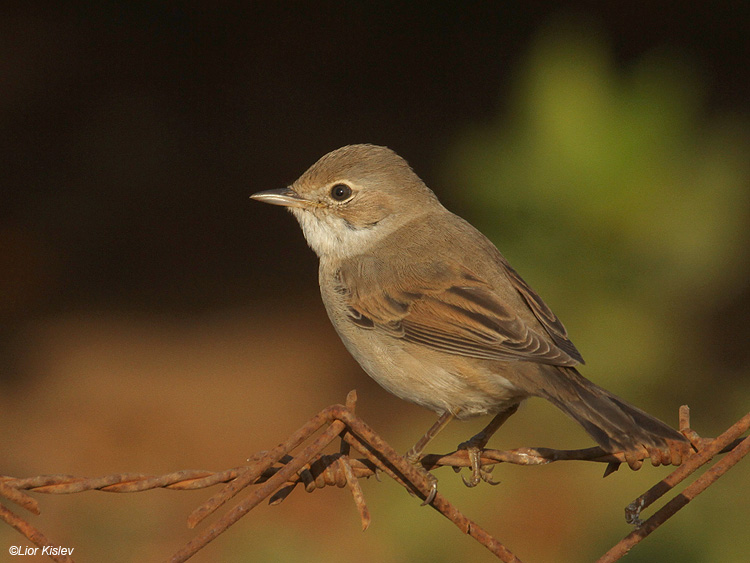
(276, 474)
(739, 449)
(35, 536)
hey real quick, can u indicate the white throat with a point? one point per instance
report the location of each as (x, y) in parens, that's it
(332, 237)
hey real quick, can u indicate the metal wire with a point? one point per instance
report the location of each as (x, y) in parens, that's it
(276, 473)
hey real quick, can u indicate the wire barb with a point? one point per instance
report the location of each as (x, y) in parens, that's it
(729, 439)
(276, 473)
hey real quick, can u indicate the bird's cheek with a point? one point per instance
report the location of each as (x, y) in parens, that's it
(370, 213)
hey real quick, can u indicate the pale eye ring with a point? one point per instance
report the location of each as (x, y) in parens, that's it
(341, 192)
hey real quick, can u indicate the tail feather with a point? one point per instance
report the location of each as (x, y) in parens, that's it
(614, 423)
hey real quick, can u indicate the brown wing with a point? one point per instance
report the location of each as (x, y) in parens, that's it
(447, 308)
(544, 314)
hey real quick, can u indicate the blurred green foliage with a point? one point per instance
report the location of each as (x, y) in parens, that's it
(615, 196)
(625, 205)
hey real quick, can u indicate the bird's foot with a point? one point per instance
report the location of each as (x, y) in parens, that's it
(414, 459)
(478, 472)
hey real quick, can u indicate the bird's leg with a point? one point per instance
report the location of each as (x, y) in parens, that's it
(415, 453)
(476, 444)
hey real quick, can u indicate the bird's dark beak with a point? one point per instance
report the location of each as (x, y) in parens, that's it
(286, 197)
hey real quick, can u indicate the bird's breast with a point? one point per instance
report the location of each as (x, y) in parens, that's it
(435, 380)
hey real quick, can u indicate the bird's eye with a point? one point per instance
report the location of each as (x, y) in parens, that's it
(341, 192)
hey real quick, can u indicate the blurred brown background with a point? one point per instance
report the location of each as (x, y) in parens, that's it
(153, 318)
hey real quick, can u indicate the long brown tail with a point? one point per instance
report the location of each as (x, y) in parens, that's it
(614, 423)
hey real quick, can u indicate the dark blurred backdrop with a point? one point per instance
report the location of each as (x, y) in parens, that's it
(133, 133)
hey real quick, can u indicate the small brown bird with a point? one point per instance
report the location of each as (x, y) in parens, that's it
(435, 314)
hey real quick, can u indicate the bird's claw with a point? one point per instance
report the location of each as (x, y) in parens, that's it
(478, 472)
(433, 488)
(414, 459)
